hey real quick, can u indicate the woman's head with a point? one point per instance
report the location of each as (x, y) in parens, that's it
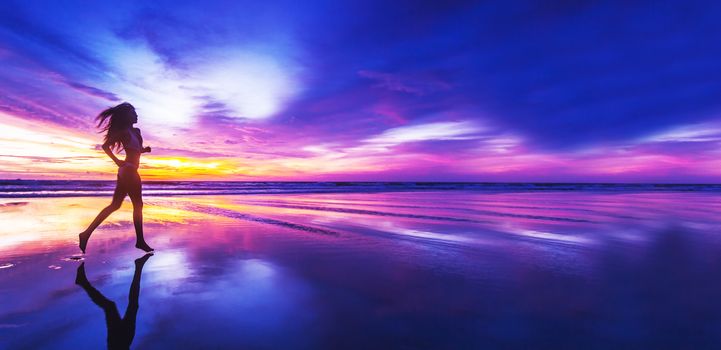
(116, 119)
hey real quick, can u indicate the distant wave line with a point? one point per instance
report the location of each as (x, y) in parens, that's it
(82, 188)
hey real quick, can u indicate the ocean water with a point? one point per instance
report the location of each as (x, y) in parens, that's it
(72, 188)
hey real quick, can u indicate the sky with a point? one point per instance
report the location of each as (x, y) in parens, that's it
(547, 91)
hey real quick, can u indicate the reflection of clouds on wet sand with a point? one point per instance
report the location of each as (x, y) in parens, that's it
(438, 270)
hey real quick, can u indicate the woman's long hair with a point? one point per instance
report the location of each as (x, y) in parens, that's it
(114, 120)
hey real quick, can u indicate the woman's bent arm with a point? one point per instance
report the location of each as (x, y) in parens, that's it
(109, 152)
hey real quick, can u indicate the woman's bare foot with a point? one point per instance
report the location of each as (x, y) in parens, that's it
(144, 246)
(83, 241)
(139, 262)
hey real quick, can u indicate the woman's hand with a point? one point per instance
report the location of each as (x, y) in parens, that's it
(120, 163)
(146, 149)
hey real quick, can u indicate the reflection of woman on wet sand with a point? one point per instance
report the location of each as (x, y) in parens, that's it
(121, 331)
(118, 123)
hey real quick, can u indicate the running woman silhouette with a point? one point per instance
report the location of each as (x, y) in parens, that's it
(117, 123)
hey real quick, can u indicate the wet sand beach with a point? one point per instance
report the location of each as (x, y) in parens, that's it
(406, 270)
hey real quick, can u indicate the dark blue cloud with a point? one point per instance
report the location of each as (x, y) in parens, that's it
(563, 76)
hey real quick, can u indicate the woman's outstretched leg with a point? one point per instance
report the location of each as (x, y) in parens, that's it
(135, 193)
(118, 196)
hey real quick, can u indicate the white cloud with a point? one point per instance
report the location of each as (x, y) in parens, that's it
(463, 130)
(250, 84)
(689, 133)
(158, 92)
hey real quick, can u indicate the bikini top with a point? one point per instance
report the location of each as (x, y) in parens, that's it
(134, 141)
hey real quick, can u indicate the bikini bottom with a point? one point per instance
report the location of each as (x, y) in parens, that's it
(128, 172)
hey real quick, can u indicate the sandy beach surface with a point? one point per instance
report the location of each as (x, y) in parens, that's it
(411, 270)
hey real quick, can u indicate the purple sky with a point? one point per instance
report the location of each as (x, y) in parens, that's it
(367, 90)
